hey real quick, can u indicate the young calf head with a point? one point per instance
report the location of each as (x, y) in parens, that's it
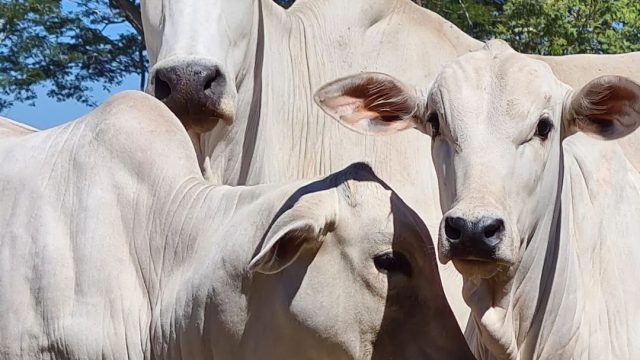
(497, 119)
(350, 273)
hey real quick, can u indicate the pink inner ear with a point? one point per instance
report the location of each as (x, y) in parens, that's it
(607, 107)
(359, 116)
(343, 105)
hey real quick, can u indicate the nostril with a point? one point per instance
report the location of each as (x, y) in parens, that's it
(162, 89)
(493, 227)
(452, 228)
(211, 79)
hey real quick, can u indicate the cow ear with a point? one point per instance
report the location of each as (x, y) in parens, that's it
(370, 103)
(283, 244)
(608, 106)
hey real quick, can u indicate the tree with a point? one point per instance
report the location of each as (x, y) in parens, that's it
(548, 27)
(69, 46)
(477, 18)
(561, 27)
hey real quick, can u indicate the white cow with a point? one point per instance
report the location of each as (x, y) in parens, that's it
(541, 219)
(255, 66)
(112, 245)
(10, 128)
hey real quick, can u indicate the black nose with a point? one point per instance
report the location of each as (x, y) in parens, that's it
(473, 239)
(191, 89)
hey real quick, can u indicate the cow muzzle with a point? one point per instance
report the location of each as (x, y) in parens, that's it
(476, 240)
(196, 90)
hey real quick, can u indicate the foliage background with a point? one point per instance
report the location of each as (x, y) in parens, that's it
(70, 47)
(548, 27)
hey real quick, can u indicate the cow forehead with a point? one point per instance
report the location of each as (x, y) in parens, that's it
(374, 216)
(366, 198)
(496, 85)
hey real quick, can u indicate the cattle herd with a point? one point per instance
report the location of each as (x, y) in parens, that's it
(340, 180)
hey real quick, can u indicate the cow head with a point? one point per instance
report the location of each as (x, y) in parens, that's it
(196, 49)
(497, 119)
(354, 274)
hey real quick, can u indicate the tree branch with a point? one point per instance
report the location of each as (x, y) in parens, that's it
(464, 8)
(142, 67)
(131, 12)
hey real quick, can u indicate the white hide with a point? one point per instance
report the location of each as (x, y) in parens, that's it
(276, 61)
(280, 58)
(10, 128)
(570, 204)
(560, 285)
(113, 246)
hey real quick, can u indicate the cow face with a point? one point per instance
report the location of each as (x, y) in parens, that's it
(196, 48)
(358, 276)
(497, 119)
(496, 147)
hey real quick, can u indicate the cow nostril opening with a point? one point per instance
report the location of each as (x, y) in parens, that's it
(491, 229)
(162, 89)
(209, 83)
(451, 230)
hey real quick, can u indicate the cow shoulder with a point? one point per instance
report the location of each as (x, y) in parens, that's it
(10, 128)
(137, 128)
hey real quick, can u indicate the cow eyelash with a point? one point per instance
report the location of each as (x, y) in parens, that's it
(544, 127)
(433, 119)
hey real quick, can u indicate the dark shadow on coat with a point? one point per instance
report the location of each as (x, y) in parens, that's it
(253, 122)
(399, 328)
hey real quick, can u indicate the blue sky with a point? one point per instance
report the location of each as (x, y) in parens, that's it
(48, 113)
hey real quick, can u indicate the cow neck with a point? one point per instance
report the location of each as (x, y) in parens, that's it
(170, 242)
(206, 249)
(279, 133)
(508, 309)
(587, 310)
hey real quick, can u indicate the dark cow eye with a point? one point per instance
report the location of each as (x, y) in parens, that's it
(393, 262)
(434, 120)
(544, 128)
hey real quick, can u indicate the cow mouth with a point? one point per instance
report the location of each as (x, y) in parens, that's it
(203, 122)
(478, 267)
(474, 259)
(203, 114)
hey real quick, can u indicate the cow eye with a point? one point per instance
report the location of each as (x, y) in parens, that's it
(434, 120)
(544, 128)
(393, 262)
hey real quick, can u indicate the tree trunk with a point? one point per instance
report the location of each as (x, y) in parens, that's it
(131, 12)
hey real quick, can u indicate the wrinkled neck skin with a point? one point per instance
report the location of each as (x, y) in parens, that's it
(279, 134)
(568, 298)
(197, 281)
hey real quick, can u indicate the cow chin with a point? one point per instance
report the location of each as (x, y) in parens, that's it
(478, 269)
(203, 121)
(470, 266)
